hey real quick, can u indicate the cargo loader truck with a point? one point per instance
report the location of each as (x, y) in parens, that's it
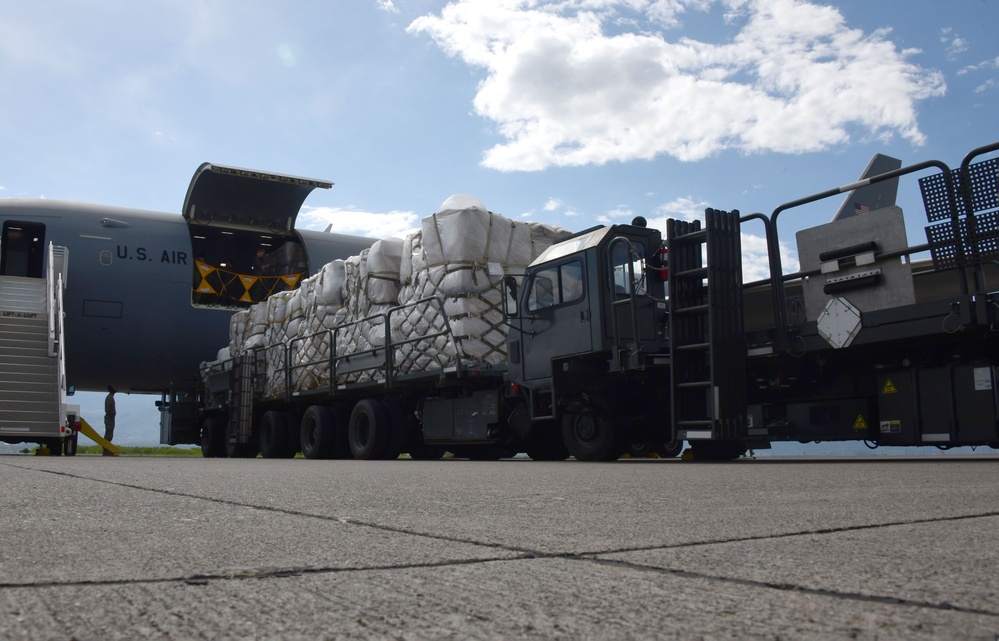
(615, 340)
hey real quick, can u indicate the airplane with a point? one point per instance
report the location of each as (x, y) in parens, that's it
(874, 196)
(149, 295)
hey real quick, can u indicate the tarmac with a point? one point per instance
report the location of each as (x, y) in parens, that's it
(188, 548)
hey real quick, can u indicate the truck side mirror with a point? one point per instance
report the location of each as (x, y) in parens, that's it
(510, 297)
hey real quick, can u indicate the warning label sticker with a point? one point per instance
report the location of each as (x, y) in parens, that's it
(891, 427)
(889, 387)
(860, 423)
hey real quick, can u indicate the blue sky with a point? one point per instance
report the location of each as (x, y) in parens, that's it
(575, 112)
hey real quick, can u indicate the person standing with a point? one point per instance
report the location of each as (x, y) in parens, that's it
(109, 414)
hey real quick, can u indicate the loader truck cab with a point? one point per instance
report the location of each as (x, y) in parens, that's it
(587, 345)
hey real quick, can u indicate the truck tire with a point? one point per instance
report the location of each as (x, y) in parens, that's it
(370, 425)
(273, 435)
(318, 433)
(590, 437)
(671, 449)
(213, 438)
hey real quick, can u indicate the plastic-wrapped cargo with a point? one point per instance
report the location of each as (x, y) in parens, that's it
(238, 326)
(380, 271)
(460, 256)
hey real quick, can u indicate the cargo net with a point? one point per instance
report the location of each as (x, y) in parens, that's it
(963, 238)
(438, 292)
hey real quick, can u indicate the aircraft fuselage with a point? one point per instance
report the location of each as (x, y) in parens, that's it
(134, 317)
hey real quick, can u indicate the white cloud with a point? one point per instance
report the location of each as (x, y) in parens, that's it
(564, 92)
(361, 223)
(954, 44)
(387, 5)
(552, 204)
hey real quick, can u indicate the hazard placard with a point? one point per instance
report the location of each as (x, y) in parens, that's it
(860, 423)
(889, 387)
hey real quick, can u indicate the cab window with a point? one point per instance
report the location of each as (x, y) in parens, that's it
(620, 258)
(556, 285)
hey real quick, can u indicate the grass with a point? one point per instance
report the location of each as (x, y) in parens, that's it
(97, 450)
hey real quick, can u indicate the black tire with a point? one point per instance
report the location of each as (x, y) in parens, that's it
(213, 438)
(545, 442)
(370, 425)
(671, 449)
(590, 437)
(55, 445)
(273, 435)
(318, 433)
(71, 443)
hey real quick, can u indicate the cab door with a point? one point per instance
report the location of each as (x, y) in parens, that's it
(555, 316)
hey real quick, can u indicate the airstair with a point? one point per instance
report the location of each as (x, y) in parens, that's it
(32, 359)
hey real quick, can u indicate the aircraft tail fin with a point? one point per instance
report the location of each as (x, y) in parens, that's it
(875, 196)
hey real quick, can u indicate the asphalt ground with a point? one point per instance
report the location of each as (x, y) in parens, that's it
(177, 548)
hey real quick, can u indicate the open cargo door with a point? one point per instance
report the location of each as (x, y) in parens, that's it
(242, 225)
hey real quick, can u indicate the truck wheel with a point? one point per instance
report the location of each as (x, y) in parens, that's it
(370, 424)
(671, 449)
(212, 438)
(274, 435)
(590, 437)
(318, 433)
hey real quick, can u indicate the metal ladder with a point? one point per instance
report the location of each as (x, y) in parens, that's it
(708, 350)
(240, 427)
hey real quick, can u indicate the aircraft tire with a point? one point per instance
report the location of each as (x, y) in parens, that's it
(590, 437)
(212, 438)
(318, 433)
(370, 425)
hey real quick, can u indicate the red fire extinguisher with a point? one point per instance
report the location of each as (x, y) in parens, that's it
(660, 263)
